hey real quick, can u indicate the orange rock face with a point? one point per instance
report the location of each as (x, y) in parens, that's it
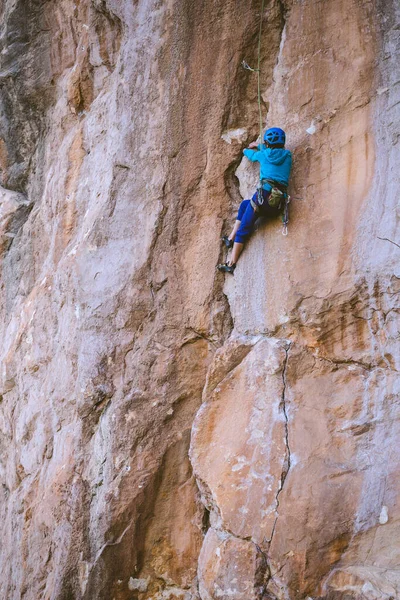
(239, 442)
(167, 433)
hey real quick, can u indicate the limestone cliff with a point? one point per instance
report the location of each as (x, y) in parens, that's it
(166, 434)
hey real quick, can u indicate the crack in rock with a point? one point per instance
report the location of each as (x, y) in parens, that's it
(269, 575)
(287, 459)
(263, 573)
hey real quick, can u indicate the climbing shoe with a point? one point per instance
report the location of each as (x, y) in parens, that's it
(225, 268)
(228, 243)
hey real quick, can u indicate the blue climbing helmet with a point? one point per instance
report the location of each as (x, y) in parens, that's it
(275, 136)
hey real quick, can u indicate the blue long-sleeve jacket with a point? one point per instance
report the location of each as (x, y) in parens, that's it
(275, 163)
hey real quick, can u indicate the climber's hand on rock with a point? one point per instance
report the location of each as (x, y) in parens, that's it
(253, 145)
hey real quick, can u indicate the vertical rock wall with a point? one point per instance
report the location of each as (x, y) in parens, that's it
(302, 479)
(121, 130)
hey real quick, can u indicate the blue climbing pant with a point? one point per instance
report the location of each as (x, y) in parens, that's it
(248, 216)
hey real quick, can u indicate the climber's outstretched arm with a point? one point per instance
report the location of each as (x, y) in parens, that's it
(253, 155)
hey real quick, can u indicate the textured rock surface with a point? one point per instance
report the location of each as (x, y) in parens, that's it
(239, 443)
(332, 292)
(121, 130)
(229, 566)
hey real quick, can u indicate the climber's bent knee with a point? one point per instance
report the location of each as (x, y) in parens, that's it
(242, 209)
(248, 218)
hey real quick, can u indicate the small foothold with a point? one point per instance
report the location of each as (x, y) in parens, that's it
(140, 585)
(312, 129)
(384, 517)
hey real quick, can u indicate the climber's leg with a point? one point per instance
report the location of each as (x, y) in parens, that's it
(246, 224)
(236, 252)
(242, 209)
(244, 231)
(234, 231)
(248, 217)
(228, 239)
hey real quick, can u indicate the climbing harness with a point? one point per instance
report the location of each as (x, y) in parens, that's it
(278, 193)
(278, 198)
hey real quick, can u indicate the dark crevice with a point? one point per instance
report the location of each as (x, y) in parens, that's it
(16, 222)
(387, 240)
(346, 362)
(287, 460)
(205, 524)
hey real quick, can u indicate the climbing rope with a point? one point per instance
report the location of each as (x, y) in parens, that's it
(258, 71)
(245, 65)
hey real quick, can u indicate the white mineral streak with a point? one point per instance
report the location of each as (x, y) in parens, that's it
(237, 135)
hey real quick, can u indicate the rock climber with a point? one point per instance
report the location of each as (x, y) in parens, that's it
(275, 165)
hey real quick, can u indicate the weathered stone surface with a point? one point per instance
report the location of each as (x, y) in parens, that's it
(121, 133)
(109, 319)
(228, 567)
(333, 293)
(239, 449)
(323, 44)
(14, 211)
(363, 582)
